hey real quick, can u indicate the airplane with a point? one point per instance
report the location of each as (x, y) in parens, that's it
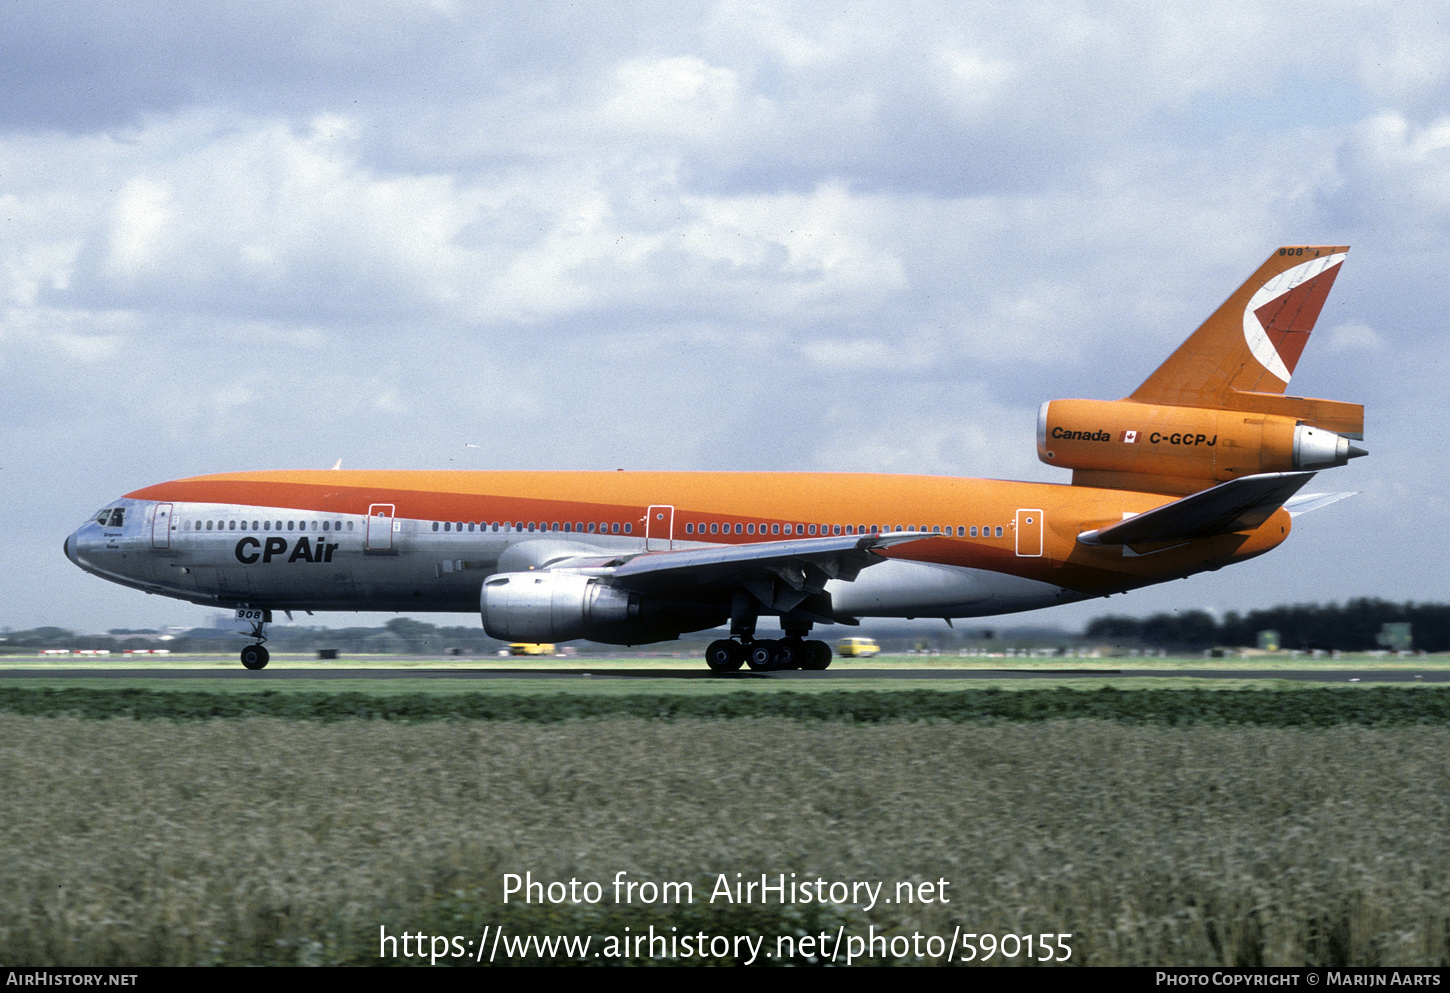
(1199, 468)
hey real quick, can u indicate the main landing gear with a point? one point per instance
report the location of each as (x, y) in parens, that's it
(255, 656)
(790, 652)
(727, 655)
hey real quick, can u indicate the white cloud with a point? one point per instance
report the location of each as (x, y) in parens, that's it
(683, 94)
(87, 348)
(142, 237)
(1355, 336)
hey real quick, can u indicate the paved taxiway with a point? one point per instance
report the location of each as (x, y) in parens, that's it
(1428, 675)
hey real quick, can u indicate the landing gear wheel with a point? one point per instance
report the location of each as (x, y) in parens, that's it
(790, 653)
(761, 656)
(819, 656)
(255, 657)
(724, 655)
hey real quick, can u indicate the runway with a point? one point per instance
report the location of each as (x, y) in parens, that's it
(1428, 674)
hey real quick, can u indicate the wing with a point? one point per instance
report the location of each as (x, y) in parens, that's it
(782, 575)
(1237, 505)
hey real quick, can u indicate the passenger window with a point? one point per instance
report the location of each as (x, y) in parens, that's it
(614, 528)
(812, 529)
(325, 524)
(628, 527)
(738, 528)
(750, 529)
(999, 531)
(974, 531)
(775, 529)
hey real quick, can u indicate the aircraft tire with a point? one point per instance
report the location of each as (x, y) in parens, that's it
(761, 656)
(819, 657)
(255, 657)
(724, 655)
(791, 653)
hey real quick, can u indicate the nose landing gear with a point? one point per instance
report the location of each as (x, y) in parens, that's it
(255, 656)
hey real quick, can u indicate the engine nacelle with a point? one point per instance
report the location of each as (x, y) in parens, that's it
(553, 607)
(1105, 438)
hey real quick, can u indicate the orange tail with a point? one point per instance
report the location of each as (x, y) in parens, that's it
(1216, 410)
(1253, 341)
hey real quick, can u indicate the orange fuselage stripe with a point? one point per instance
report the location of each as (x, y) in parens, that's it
(761, 498)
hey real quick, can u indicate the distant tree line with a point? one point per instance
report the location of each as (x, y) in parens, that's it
(1353, 627)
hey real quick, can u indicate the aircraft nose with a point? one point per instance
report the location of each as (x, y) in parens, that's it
(70, 548)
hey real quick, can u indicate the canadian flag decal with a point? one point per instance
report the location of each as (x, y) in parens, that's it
(1128, 437)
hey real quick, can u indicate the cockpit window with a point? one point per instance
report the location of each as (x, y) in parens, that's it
(113, 517)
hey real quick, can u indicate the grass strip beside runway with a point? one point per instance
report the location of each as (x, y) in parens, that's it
(1286, 705)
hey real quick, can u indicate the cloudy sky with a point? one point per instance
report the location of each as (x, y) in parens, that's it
(728, 235)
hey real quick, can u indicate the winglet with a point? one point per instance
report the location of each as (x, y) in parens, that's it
(1253, 341)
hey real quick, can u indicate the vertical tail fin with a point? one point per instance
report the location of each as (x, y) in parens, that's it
(1253, 341)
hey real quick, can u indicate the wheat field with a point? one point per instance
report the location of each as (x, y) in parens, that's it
(269, 841)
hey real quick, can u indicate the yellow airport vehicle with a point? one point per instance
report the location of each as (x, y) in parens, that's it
(857, 648)
(531, 648)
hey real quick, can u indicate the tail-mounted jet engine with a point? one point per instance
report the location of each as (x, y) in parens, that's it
(1183, 448)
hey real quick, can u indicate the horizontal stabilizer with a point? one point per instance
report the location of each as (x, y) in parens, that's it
(1302, 503)
(1237, 505)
